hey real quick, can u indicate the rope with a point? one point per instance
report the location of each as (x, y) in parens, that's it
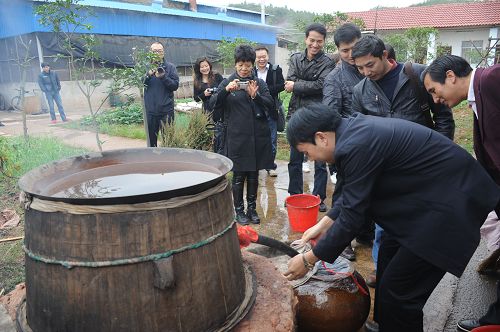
(349, 274)
(126, 261)
(30, 202)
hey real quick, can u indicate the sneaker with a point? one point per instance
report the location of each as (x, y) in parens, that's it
(322, 207)
(467, 325)
(53, 121)
(272, 173)
(333, 178)
(305, 167)
(348, 253)
(371, 281)
(66, 120)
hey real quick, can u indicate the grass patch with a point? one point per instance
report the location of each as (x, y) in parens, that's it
(18, 156)
(464, 124)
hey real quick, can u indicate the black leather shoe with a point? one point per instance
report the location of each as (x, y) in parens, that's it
(241, 218)
(322, 207)
(253, 217)
(467, 325)
(348, 253)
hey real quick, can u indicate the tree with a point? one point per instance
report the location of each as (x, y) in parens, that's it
(23, 63)
(412, 44)
(68, 20)
(226, 48)
(331, 22)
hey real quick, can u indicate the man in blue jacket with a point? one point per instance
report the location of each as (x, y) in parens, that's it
(430, 196)
(160, 84)
(48, 81)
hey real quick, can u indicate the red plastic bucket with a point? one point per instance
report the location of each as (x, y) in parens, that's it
(303, 211)
(487, 328)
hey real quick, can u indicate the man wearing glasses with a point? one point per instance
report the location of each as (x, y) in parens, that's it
(160, 83)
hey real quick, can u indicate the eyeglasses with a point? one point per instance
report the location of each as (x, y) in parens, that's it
(240, 67)
(157, 51)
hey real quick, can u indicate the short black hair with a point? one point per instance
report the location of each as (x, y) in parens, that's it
(260, 48)
(391, 54)
(368, 45)
(244, 53)
(44, 64)
(319, 28)
(438, 68)
(306, 121)
(346, 33)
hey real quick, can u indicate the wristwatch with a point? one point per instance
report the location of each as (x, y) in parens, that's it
(307, 265)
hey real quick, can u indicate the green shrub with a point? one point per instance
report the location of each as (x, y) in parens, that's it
(188, 131)
(124, 115)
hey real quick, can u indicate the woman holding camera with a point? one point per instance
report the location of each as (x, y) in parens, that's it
(205, 80)
(243, 101)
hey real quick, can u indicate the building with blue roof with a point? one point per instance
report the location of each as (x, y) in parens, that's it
(123, 25)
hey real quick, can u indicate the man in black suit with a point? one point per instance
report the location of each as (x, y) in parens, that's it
(429, 195)
(273, 76)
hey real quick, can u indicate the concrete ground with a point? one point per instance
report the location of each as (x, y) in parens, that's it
(454, 299)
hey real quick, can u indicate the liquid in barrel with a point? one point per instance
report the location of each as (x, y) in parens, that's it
(134, 184)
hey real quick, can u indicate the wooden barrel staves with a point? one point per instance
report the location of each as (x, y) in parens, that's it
(115, 271)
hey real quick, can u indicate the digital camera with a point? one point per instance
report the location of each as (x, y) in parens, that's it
(213, 90)
(160, 70)
(243, 85)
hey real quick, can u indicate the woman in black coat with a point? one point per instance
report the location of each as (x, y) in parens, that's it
(243, 101)
(205, 79)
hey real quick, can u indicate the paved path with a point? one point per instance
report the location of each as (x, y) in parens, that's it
(40, 125)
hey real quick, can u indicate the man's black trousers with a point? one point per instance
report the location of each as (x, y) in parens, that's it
(296, 179)
(155, 123)
(404, 283)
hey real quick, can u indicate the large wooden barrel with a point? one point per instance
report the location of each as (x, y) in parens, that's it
(196, 289)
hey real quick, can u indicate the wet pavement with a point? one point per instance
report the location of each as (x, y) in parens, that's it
(454, 299)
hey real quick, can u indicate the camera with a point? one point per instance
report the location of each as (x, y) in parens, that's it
(213, 90)
(243, 85)
(160, 70)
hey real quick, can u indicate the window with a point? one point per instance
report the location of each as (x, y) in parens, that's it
(472, 51)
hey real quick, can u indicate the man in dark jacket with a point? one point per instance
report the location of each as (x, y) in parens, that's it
(430, 195)
(160, 84)
(48, 81)
(306, 75)
(273, 76)
(390, 90)
(450, 80)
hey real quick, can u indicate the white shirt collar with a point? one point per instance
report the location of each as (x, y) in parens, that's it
(262, 74)
(471, 97)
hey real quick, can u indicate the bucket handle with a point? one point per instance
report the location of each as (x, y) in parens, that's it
(164, 273)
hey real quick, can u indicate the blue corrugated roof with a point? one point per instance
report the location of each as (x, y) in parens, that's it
(117, 18)
(167, 11)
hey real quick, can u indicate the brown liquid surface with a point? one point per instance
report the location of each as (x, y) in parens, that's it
(134, 184)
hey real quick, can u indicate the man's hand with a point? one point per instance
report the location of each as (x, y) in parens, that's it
(233, 86)
(296, 268)
(159, 75)
(252, 89)
(151, 72)
(289, 86)
(317, 230)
